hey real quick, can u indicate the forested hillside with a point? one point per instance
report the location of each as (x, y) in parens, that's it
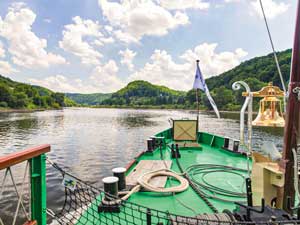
(24, 96)
(257, 72)
(143, 93)
(88, 99)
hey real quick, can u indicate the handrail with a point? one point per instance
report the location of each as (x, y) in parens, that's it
(18, 157)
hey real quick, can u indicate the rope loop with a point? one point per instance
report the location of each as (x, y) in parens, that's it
(145, 179)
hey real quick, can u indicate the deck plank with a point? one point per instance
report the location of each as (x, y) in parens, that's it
(145, 166)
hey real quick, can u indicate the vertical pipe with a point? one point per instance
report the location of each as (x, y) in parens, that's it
(38, 189)
(292, 117)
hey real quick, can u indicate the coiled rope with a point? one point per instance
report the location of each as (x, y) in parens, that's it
(200, 193)
(144, 181)
(202, 170)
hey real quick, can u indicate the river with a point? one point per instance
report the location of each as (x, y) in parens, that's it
(90, 142)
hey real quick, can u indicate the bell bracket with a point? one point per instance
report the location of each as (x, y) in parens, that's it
(296, 91)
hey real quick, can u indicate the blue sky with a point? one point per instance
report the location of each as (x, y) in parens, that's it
(101, 45)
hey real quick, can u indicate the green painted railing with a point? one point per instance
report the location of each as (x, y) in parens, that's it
(36, 158)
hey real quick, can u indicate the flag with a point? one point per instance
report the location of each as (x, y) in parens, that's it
(199, 83)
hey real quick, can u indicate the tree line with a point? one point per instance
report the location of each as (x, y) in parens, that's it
(23, 96)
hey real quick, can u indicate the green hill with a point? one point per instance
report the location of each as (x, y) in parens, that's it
(258, 69)
(142, 93)
(88, 99)
(18, 95)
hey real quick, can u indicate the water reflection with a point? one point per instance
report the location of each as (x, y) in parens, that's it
(136, 119)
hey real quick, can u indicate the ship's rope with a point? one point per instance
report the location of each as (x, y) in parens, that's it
(200, 193)
(274, 52)
(201, 170)
(144, 181)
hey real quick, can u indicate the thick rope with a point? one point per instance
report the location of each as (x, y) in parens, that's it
(144, 181)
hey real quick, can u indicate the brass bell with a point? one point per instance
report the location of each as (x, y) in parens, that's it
(270, 110)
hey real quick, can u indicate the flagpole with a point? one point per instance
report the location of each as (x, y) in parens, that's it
(197, 96)
(199, 83)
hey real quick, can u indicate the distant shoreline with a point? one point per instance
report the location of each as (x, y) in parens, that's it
(2, 110)
(7, 110)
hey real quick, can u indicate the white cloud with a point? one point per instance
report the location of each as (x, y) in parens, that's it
(26, 48)
(73, 42)
(6, 68)
(61, 83)
(2, 50)
(103, 79)
(125, 37)
(134, 19)
(214, 63)
(108, 40)
(127, 57)
(98, 43)
(229, 1)
(163, 70)
(184, 4)
(271, 7)
(108, 28)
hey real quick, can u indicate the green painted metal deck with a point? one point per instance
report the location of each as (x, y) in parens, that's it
(211, 152)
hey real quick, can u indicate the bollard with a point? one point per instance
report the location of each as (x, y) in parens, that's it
(153, 142)
(236, 146)
(119, 172)
(149, 145)
(226, 143)
(110, 187)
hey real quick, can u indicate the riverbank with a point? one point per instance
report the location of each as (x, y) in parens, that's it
(8, 110)
(164, 107)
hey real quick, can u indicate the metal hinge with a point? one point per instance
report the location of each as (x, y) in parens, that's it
(296, 91)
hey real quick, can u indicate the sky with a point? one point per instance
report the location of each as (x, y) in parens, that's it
(94, 46)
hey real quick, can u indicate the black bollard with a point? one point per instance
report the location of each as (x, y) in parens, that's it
(119, 172)
(110, 187)
(149, 145)
(236, 146)
(226, 143)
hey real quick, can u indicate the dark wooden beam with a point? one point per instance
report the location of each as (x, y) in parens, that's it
(292, 119)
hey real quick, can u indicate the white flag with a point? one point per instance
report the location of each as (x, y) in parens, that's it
(199, 83)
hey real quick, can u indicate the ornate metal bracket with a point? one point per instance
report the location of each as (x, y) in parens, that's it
(247, 104)
(296, 91)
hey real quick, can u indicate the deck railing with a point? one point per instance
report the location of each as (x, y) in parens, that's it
(35, 160)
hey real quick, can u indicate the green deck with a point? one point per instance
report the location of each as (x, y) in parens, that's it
(211, 153)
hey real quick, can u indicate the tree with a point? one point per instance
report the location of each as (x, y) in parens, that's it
(5, 93)
(191, 96)
(59, 98)
(222, 97)
(21, 100)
